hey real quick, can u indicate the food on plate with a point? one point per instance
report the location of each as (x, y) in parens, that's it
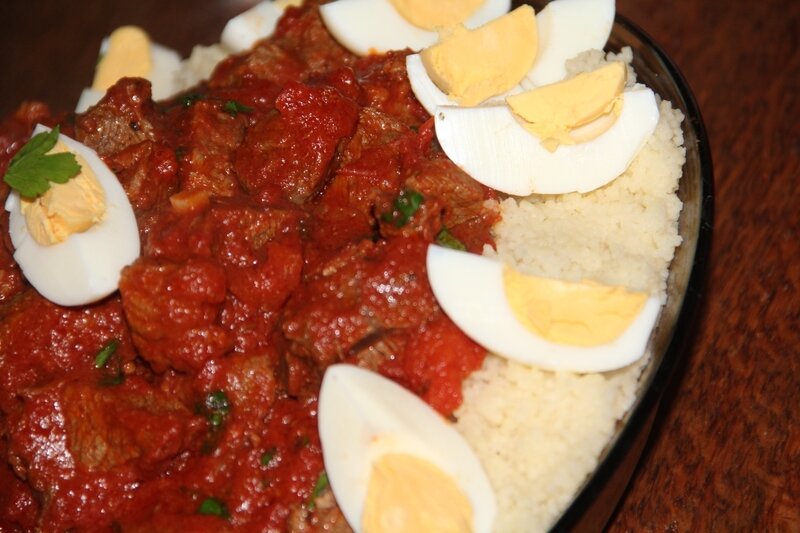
(394, 463)
(128, 51)
(287, 349)
(553, 324)
(353, 22)
(73, 239)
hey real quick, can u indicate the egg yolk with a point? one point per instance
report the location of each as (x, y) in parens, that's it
(128, 54)
(407, 494)
(582, 313)
(473, 65)
(65, 208)
(567, 112)
(440, 14)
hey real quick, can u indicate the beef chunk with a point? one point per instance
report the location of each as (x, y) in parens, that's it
(173, 311)
(123, 117)
(292, 150)
(364, 291)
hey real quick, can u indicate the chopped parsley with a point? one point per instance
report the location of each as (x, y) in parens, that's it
(233, 108)
(105, 353)
(32, 169)
(213, 507)
(405, 205)
(217, 408)
(446, 239)
(266, 457)
(319, 486)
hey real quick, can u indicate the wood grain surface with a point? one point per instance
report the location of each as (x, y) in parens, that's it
(725, 451)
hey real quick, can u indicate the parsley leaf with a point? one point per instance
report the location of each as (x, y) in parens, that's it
(232, 107)
(32, 169)
(404, 207)
(446, 239)
(319, 486)
(105, 353)
(213, 507)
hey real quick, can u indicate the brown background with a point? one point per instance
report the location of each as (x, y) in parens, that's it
(725, 453)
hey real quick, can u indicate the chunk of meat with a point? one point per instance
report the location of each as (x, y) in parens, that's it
(73, 437)
(293, 149)
(385, 86)
(365, 290)
(435, 361)
(173, 311)
(123, 117)
(207, 141)
(466, 213)
(247, 380)
(147, 171)
(57, 341)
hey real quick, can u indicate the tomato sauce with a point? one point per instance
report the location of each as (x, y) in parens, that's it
(275, 243)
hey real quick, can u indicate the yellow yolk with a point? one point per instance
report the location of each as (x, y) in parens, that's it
(128, 54)
(408, 495)
(473, 65)
(560, 113)
(283, 4)
(575, 313)
(430, 15)
(65, 208)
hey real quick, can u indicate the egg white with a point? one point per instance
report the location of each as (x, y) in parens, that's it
(491, 145)
(566, 28)
(242, 31)
(470, 289)
(86, 266)
(375, 26)
(362, 416)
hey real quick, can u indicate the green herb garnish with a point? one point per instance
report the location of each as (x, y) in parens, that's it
(405, 205)
(233, 108)
(267, 457)
(213, 507)
(105, 353)
(319, 486)
(446, 239)
(32, 169)
(217, 408)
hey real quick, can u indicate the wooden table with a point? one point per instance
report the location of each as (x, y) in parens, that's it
(725, 451)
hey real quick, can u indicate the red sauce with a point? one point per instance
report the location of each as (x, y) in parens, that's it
(272, 248)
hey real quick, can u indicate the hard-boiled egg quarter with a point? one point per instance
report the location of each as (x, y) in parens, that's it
(128, 51)
(490, 144)
(364, 418)
(471, 289)
(375, 26)
(86, 266)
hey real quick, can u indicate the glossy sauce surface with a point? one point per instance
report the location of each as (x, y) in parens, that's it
(272, 248)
